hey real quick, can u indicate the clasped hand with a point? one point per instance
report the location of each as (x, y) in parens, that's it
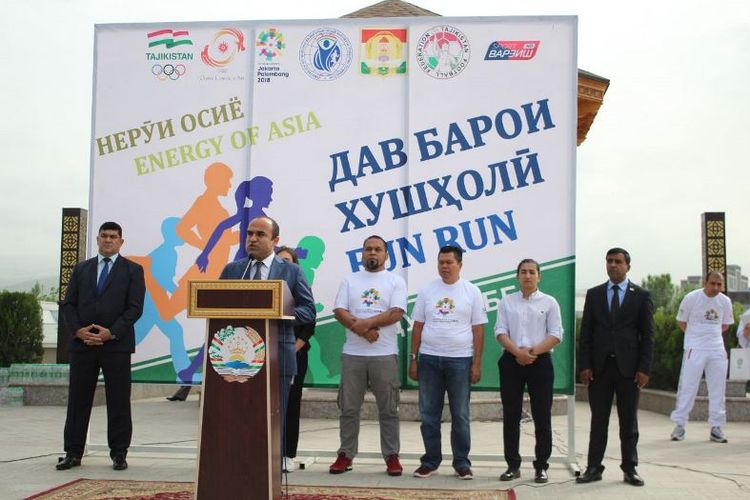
(94, 335)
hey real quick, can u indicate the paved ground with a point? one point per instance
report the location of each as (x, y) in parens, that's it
(31, 441)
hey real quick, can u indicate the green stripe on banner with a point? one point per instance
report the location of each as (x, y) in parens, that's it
(558, 280)
(157, 370)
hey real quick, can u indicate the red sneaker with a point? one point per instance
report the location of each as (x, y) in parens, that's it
(341, 465)
(393, 466)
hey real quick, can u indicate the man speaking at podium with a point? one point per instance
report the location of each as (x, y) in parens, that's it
(262, 264)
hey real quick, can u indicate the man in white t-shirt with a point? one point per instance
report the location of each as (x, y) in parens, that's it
(446, 356)
(743, 330)
(369, 305)
(704, 315)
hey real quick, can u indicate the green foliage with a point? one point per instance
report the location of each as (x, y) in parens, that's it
(661, 288)
(50, 296)
(20, 328)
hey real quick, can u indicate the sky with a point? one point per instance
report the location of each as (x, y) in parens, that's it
(667, 145)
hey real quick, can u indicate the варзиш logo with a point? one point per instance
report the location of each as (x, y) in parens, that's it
(505, 50)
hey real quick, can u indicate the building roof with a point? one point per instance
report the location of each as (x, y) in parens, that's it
(391, 8)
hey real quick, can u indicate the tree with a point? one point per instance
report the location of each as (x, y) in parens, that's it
(38, 291)
(661, 288)
(20, 328)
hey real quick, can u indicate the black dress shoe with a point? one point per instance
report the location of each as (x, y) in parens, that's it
(181, 394)
(68, 462)
(119, 463)
(540, 476)
(590, 475)
(510, 474)
(633, 478)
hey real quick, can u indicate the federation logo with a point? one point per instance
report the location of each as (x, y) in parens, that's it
(224, 47)
(370, 297)
(383, 52)
(443, 52)
(237, 353)
(505, 50)
(445, 306)
(325, 54)
(168, 38)
(270, 44)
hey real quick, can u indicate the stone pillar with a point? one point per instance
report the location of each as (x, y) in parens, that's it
(714, 243)
(72, 251)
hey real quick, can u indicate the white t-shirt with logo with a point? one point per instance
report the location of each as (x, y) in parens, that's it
(448, 313)
(366, 294)
(704, 316)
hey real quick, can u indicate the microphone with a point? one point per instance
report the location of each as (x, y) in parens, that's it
(249, 261)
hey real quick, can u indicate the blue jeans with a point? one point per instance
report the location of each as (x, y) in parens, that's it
(438, 375)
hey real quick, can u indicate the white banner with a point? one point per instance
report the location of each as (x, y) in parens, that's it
(424, 131)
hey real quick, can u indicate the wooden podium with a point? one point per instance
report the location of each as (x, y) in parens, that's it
(239, 454)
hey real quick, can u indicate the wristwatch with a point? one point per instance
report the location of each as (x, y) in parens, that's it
(413, 356)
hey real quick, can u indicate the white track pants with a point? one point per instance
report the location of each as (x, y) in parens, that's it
(694, 363)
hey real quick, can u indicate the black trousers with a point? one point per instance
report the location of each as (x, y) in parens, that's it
(84, 372)
(539, 377)
(291, 437)
(602, 389)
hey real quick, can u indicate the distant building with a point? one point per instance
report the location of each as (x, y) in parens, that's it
(691, 282)
(736, 282)
(49, 329)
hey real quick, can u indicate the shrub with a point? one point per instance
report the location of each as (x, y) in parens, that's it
(20, 328)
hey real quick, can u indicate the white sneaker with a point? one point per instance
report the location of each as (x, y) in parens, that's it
(717, 435)
(678, 434)
(289, 465)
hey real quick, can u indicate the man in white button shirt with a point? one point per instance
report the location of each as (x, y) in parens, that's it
(528, 327)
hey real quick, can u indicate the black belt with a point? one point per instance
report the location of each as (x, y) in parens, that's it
(543, 355)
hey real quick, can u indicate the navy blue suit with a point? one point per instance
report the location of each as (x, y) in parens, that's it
(615, 347)
(117, 308)
(304, 312)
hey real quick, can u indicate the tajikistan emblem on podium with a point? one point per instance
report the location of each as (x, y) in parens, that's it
(237, 353)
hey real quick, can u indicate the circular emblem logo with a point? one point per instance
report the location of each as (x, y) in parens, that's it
(325, 54)
(225, 45)
(443, 52)
(237, 353)
(270, 44)
(445, 306)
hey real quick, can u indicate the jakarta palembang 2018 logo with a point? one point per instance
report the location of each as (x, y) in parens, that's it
(443, 52)
(224, 47)
(370, 297)
(237, 353)
(325, 54)
(445, 306)
(270, 44)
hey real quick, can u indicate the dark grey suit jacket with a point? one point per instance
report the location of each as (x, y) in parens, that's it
(630, 334)
(304, 304)
(118, 308)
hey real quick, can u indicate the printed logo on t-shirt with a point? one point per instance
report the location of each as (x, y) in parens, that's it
(445, 306)
(711, 315)
(370, 297)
